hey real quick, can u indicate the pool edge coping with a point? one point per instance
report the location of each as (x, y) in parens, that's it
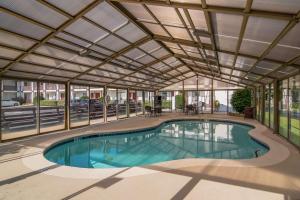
(276, 154)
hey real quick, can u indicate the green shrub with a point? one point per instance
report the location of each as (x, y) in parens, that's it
(241, 99)
(147, 103)
(48, 103)
(61, 103)
(35, 99)
(84, 97)
(166, 104)
(179, 101)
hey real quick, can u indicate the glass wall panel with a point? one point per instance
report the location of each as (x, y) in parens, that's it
(96, 105)
(166, 101)
(204, 104)
(140, 102)
(230, 107)
(271, 100)
(258, 103)
(294, 107)
(79, 105)
(267, 105)
(191, 97)
(18, 109)
(220, 101)
(122, 103)
(178, 101)
(52, 107)
(283, 108)
(132, 103)
(149, 98)
(112, 103)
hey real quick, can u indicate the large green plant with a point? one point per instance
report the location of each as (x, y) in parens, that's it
(241, 99)
(179, 101)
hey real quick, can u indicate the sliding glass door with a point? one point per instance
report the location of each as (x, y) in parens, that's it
(79, 106)
(52, 107)
(132, 103)
(96, 105)
(140, 103)
(204, 102)
(18, 109)
(112, 104)
(122, 103)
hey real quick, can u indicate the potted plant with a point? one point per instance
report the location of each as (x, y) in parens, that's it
(216, 105)
(241, 99)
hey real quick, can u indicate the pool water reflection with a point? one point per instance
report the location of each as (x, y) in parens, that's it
(170, 141)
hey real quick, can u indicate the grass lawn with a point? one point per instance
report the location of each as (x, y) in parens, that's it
(283, 126)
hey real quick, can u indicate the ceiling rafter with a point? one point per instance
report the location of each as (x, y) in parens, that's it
(161, 75)
(89, 49)
(210, 77)
(136, 22)
(121, 38)
(67, 61)
(115, 55)
(242, 32)
(211, 31)
(293, 60)
(291, 24)
(219, 78)
(158, 22)
(51, 34)
(99, 59)
(200, 60)
(187, 15)
(192, 44)
(210, 8)
(129, 16)
(99, 26)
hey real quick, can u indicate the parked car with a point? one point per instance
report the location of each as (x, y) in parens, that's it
(9, 103)
(80, 105)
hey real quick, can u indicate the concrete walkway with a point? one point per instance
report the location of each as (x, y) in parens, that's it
(24, 174)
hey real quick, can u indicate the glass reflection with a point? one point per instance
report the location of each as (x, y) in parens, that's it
(294, 107)
(18, 109)
(283, 108)
(52, 107)
(79, 105)
(170, 141)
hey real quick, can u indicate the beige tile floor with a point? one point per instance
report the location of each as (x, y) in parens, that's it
(264, 178)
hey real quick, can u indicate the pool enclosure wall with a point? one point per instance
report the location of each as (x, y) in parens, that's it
(71, 61)
(31, 107)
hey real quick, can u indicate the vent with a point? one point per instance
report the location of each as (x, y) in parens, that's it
(201, 33)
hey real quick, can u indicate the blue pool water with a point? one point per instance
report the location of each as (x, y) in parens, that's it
(170, 141)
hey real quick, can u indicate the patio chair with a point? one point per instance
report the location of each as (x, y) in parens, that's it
(149, 111)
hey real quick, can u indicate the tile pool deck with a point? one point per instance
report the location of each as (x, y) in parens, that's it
(25, 174)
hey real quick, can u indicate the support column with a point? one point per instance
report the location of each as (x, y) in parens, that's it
(227, 109)
(263, 105)
(127, 103)
(212, 96)
(197, 93)
(183, 94)
(67, 105)
(105, 104)
(89, 95)
(143, 100)
(38, 95)
(276, 106)
(255, 103)
(1, 89)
